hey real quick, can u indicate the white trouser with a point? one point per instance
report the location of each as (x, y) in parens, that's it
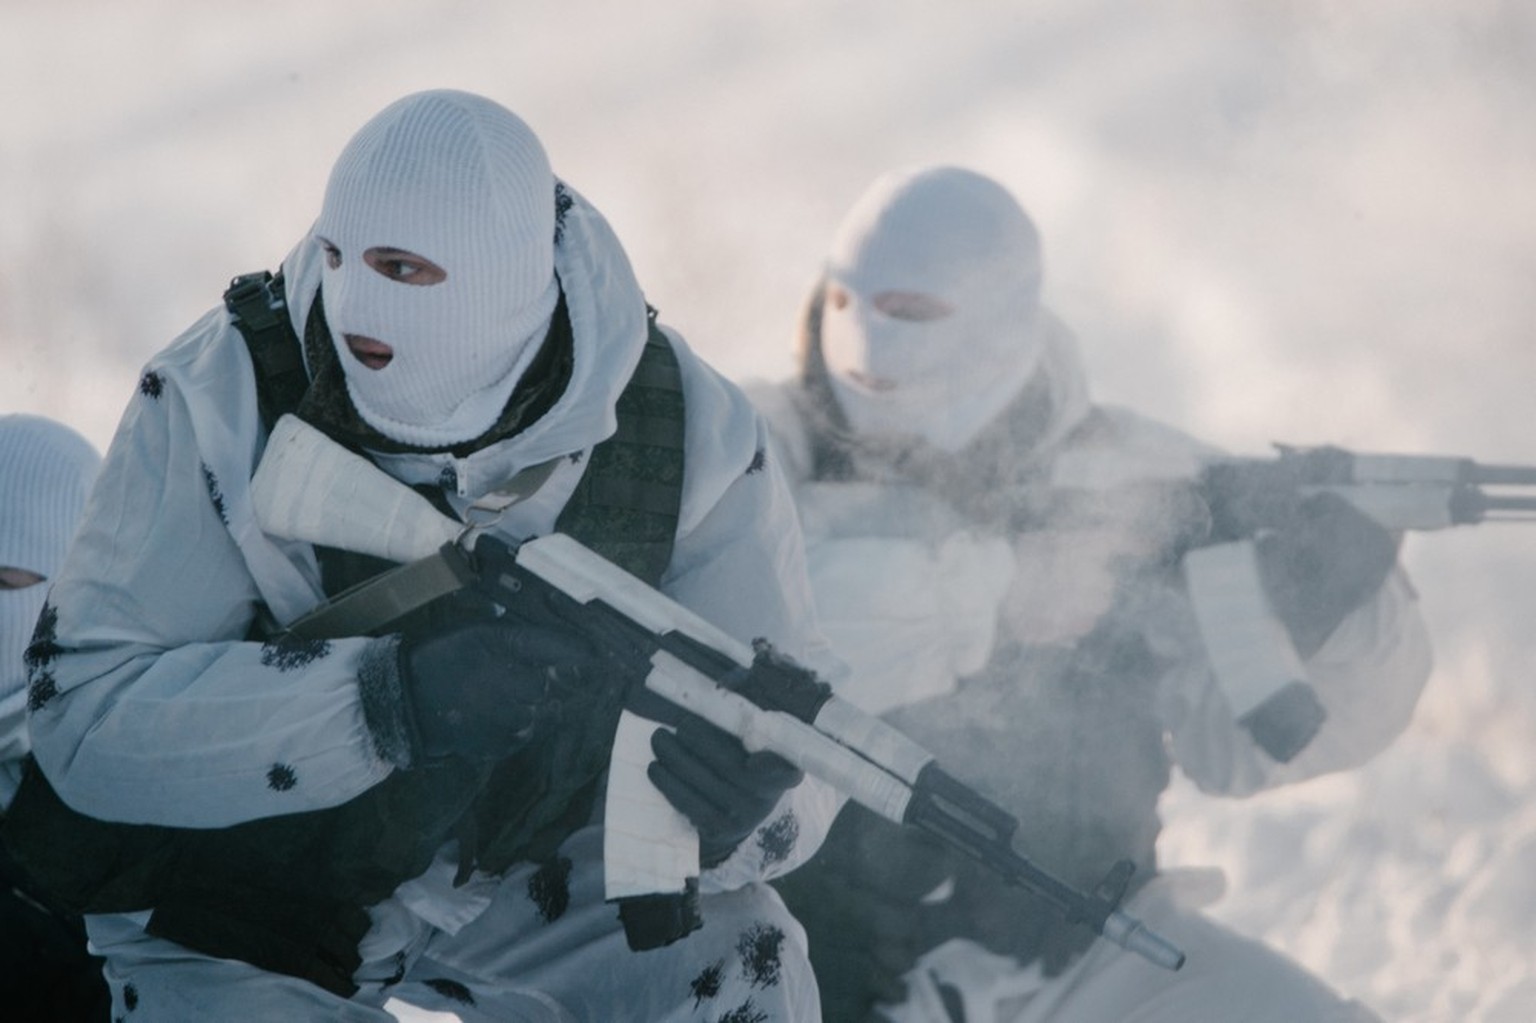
(748, 962)
(1226, 978)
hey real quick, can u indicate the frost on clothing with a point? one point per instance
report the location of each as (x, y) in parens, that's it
(167, 712)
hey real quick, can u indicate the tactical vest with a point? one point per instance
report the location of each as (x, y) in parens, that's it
(289, 894)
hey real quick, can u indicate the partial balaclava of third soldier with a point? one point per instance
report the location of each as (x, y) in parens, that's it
(431, 357)
(931, 322)
(46, 471)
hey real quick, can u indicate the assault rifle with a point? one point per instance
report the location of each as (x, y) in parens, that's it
(1232, 498)
(1206, 525)
(1417, 492)
(309, 488)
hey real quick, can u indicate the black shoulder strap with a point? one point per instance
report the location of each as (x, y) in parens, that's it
(259, 308)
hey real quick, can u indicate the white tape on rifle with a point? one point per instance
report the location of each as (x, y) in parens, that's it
(310, 488)
(648, 846)
(584, 575)
(794, 740)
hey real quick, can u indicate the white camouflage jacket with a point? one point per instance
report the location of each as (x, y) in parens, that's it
(153, 707)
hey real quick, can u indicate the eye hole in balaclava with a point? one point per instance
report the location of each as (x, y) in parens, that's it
(438, 233)
(912, 306)
(906, 306)
(933, 304)
(13, 578)
(392, 264)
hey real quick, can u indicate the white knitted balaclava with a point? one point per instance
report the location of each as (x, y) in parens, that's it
(459, 180)
(956, 236)
(46, 470)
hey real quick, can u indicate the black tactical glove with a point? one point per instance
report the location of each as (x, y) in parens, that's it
(1326, 560)
(484, 690)
(725, 791)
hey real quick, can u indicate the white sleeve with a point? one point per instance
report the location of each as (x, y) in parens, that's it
(1368, 677)
(149, 704)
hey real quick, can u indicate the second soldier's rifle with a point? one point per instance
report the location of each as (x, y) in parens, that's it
(1207, 524)
(308, 488)
(1233, 498)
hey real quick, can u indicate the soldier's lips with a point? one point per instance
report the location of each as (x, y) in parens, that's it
(369, 351)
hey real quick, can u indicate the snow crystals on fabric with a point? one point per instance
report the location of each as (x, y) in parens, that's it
(215, 494)
(707, 983)
(44, 648)
(550, 888)
(40, 653)
(777, 839)
(289, 652)
(759, 951)
(281, 778)
(746, 1012)
(40, 690)
(563, 204)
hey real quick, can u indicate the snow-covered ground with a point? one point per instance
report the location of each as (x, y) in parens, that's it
(1292, 220)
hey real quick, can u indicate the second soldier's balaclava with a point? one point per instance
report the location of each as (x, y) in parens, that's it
(949, 234)
(46, 471)
(459, 180)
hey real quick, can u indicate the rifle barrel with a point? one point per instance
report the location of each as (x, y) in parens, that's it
(1515, 508)
(1503, 475)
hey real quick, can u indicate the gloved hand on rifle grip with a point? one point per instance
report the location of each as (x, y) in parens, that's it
(721, 788)
(485, 689)
(1325, 561)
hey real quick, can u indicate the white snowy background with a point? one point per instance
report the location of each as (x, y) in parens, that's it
(1270, 220)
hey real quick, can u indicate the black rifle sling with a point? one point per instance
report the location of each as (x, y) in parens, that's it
(259, 308)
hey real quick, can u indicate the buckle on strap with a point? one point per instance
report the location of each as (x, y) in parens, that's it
(251, 300)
